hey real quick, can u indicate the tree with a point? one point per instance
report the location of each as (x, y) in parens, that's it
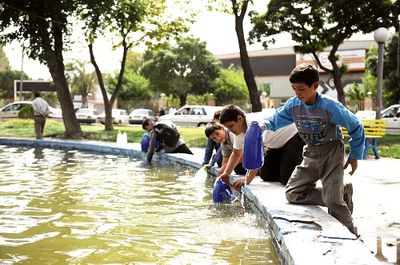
(317, 25)
(80, 80)
(131, 22)
(185, 68)
(391, 81)
(238, 8)
(230, 86)
(134, 86)
(44, 24)
(7, 78)
(4, 63)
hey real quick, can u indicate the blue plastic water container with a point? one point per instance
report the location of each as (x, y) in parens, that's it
(222, 192)
(253, 151)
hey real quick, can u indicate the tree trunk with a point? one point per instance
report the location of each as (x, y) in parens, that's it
(55, 63)
(84, 95)
(182, 100)
(245, 60)
(109, 103)
(337, 77)
(108, 125)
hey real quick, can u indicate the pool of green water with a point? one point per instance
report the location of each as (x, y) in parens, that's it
(72, 207)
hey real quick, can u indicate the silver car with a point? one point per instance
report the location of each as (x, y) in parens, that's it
(11, 110)
(138, 115)
(192, 115)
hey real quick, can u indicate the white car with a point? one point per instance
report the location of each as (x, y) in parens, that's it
(86, 115)
(192, 115)
(390, 114)
(11, 110)
(138, 115)
(119, 116)
(55, 113)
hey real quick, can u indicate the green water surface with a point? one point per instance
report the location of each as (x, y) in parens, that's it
(72, 207)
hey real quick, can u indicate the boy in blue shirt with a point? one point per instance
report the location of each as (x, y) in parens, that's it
(318, 119)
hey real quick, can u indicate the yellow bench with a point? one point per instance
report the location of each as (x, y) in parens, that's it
(373, 129)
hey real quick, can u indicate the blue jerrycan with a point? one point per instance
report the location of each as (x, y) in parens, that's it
(222, 193)
(253, 151)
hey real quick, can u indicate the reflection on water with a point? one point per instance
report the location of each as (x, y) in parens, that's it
(71, 207)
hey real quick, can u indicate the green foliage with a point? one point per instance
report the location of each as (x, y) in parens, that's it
(230, 86)
(356, 92)
(26, 112)
(187, 68)
(7, 78)
(29, 22)
(391, 82)
(4, 63)
(134, 86)
(81, 82)
(317, 25)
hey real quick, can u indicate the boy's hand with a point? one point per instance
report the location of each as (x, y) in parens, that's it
(353, 163)
(225, 177)
(207, 166)
(238, 183)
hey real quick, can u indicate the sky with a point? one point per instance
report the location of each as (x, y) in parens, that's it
(216, 29)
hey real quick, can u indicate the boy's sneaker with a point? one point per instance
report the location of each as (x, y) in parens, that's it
(348, 196)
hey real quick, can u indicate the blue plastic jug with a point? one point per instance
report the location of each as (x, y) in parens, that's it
(253, 151)
(222, 193)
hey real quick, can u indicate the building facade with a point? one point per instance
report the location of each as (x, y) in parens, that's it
(272, 67)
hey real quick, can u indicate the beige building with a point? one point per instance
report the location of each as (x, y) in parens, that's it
(273, 66)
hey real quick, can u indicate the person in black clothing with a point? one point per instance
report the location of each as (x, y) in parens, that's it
(177, 146)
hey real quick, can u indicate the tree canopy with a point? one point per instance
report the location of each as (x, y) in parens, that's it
(317, 25)
(43, 28)
(187, 68)
(131, 23)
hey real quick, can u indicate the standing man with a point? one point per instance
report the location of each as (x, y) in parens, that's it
(40, 112)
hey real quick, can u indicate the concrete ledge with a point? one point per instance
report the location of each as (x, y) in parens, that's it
(302, 234)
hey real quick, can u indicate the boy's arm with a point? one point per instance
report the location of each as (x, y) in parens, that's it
(233, 160)
(152, 146)
(223, 166)
(208, 151)
(343, 117)
(281, 118)
(241, 181)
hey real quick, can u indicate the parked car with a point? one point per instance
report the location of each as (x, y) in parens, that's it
(138, 115)
(192, 115)
(86, 115)
(11, 110)
(55, 113)
(119, 116)
(390, 114)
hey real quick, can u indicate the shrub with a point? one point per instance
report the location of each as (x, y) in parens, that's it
(26, 112)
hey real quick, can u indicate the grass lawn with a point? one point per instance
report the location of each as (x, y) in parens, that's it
(24, 128)
(389, 146)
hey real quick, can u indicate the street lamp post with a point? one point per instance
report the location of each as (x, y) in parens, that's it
(381, 35)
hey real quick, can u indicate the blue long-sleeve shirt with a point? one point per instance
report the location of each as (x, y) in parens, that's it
(320, 123)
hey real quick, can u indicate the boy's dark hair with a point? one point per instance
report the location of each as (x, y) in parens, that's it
(304, 73)
(146, 123)
(211, 127)
(36, 94)
(217, 114)
(230, 113)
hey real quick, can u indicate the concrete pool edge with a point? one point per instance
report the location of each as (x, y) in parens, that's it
(301, 234)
